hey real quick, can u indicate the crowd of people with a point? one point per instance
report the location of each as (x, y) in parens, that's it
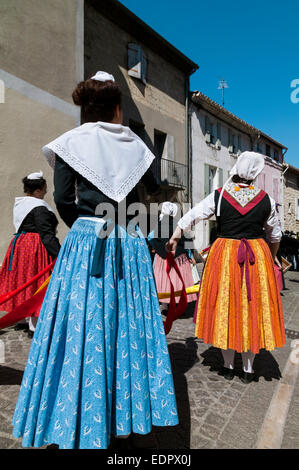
(99, 364)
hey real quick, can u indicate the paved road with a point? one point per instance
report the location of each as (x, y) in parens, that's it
(214, 413)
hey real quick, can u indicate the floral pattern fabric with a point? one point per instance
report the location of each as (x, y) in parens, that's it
(99, 362)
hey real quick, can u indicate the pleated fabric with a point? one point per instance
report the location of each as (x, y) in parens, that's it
(225, 317)
(99, 361)
(162, 280)
(29, 258)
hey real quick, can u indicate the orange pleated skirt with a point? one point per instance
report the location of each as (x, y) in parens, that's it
(225, 317)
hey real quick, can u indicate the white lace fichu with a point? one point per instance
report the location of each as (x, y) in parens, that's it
(110, 156)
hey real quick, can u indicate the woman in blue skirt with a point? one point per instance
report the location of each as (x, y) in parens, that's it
(99, 363)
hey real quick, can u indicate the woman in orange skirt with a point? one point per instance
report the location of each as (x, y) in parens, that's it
(239, 306)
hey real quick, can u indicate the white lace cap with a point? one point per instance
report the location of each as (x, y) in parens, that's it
(168, 208)
(248, 166)
(35, 176)
(103, 77)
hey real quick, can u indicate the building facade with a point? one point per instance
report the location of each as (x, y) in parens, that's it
(40, 64)
(291, 199)
(217, 138)
(47, 47)
(154, 78)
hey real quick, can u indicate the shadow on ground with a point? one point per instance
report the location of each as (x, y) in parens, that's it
(183, 356)
(264, 364)
(10, 376)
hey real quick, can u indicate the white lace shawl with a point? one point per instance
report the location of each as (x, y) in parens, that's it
(110, 156)
(24, 205)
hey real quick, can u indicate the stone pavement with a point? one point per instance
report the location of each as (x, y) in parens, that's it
(214, 413)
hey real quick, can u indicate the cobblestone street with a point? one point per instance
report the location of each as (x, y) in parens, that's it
(214, 413)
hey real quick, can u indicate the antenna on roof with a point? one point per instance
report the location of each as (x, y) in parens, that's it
(222, 85)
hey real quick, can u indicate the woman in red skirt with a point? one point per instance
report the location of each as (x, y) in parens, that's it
(183, 257)
(32, 248)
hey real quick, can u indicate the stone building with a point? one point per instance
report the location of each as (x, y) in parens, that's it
(217, 138)
(40, 63)
(154, 77)
(291, 198)
(47, 47)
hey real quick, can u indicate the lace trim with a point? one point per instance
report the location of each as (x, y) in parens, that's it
(120, 193)
(243, 196)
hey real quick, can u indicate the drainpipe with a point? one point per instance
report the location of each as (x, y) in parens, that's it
(282, 196)
(187, 127)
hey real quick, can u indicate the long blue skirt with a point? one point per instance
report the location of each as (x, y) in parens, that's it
(98, 363)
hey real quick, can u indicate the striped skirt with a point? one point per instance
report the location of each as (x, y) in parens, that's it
(239, 305)
(162, 280)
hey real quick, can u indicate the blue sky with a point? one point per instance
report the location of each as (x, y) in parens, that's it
(253, 45)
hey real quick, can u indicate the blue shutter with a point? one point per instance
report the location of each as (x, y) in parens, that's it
(134, 60)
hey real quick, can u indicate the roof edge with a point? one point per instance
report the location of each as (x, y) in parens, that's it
(127, 20)
(198, 97)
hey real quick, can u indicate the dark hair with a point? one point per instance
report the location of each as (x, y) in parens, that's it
(32, 185)
(98, 100)
(238, 179)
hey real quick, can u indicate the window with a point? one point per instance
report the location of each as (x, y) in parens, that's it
(137, 62)
(297, 209)
(276, 156)
(219, 131)
(259, 147)
(159, 143)
(231, 142)
(209, 130)
(261, 181)
(275, 189)
(213, 178)
(239, 143)
(268, 150)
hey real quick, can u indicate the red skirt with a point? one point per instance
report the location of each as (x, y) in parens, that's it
(29, 258)
(162, 280)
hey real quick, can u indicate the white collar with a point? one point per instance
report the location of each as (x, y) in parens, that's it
(108, 155)
(24, 205)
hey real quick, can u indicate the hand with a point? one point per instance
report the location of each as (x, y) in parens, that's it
(192, 261)
(171, 245)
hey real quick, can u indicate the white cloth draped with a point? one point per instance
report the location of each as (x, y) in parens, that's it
(110, 156)
(24, 205)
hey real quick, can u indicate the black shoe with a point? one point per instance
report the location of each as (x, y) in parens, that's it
(21, 326)
(30, 334)
(227, 373)
(247, 377)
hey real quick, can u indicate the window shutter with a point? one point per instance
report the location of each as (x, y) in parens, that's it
(275, 189)
(143, 67)
(239, 143)
(219, 131)
(207, 129)
(169, 147)
(220, 177)
(134, 60)
(206, 180)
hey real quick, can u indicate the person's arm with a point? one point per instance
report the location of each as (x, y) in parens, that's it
(273, 230)
(45, 224)
(64, 191)
(204, 210)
